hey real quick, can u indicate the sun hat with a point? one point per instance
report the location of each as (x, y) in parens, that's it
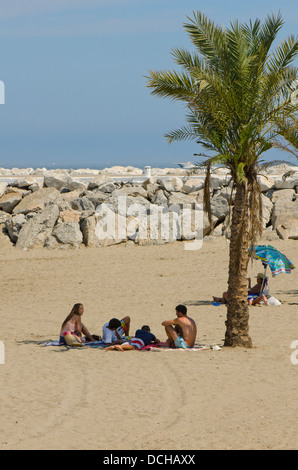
(261, 276)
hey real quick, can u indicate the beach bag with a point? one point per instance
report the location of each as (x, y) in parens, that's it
(73, 340)
(273, 301)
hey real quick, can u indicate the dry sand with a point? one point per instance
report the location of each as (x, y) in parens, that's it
(54, 398)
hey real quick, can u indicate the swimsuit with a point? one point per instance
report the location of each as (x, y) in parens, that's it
(180, 343)
(137, 343)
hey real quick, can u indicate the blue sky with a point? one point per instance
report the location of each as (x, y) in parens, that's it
(75, 91)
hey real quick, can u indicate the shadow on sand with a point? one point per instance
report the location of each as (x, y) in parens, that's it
(199, 303)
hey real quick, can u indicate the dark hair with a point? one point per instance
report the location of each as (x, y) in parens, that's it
(114, 323)
(182, 309)
(145, 328)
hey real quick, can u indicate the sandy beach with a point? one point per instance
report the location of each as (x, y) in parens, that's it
(57, 398)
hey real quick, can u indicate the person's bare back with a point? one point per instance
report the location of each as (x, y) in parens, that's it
(188, 329)
(181, 331)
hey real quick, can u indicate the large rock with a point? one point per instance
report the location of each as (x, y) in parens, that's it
(151, 189)
(288, 180)
(13, 226)
(283, 211)
(181, 199)
(69, 216)
(160, 226)
(219, 207)
(38, 228)
(288, 229)
(58, 181)
(61, 181)
(88, 226)
(110, 227)
(171, 184)
(279, 169)
(218, 181)
(3, 187)
(82, 204)
(68, 233)
(193, 184)
(28, 181)
(265, 182)
(159, 198)
(96, 197)
(285, 194)
(37, 200)
(97, 181)
(267, 207)
(4, 216)
(107, 187)
(126, 205)
(10, 200)
(136, 190)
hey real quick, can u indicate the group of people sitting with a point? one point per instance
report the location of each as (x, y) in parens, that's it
(255, 295)
(181, 332)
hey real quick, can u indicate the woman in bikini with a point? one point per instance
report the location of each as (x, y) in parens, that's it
(74, 326)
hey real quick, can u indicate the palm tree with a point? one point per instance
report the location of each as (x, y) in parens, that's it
(235, 88)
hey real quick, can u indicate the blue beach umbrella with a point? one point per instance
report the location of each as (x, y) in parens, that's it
(270, 256)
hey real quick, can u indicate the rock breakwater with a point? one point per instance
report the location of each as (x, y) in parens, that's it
(70, 208)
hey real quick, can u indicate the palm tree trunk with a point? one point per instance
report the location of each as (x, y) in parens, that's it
(237, 314)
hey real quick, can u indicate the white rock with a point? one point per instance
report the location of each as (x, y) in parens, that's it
(265, 182)
(3, 187)
(193, 184)
(170, 184)
(38, 228)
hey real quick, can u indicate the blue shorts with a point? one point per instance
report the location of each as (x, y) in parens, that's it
(180, 343)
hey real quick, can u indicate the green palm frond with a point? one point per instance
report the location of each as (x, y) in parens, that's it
(206, 37)
(173, 85)
(284, 54)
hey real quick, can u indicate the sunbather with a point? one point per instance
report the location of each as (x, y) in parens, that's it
(143, 337)
(181, 331)
(255, 294)
(74, 326)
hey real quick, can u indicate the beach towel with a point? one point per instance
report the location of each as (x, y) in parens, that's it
(162, 347)
(95, 344)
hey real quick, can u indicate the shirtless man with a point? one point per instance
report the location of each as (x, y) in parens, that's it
(181, 331)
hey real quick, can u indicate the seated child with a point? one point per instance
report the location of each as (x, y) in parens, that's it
(143, 337)
(115, 331)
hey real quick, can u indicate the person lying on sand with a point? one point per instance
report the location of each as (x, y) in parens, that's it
(73, 325)
(181, 331)
(115, 331)
(143, 337)
(254, 293)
